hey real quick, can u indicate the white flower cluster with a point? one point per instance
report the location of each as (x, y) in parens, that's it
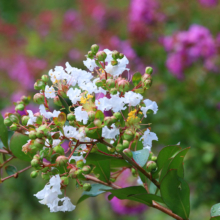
(49, 196)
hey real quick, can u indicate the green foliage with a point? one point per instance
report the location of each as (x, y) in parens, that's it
(10, 169)
(136, 78)
(3, 132)
(215, 210)
(102, 169)
(141, 156)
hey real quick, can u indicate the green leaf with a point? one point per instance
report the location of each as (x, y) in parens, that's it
(17, 141)
(215, 210)
(10, 170)
(3, 132)
(96, 190)
(99, 115)
(135, 193)
(165, 154)
(60, 120)
(102, 168)
(141, 156)
(136, 78)
(175, 193)
(215, 218)
(64, 104)
(98, 64)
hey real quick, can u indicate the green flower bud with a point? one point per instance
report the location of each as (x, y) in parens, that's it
(40, 134)
(72, 173)
(7, 121)
(13, 118)
(150, 155)
(154, 158)
(78, 173)
(113, 91)
(128, 153)
(36, 156)
(94, 149)
(90, 55)
(107, 121)
(98, 123)
(112, 180)
(114, 62)
(45, 78)
(149, 70)
(58, 149)
(71, 117)
(32, 135)
(39, 119)
(79, 164)
(123, 85)
(117, 115)
(65, 180)
(101, 56)
(61, 160)
(121, 55)
(73, 123)
(125, 144)
(128, 135)
(39, 98)
(35, 162)
(57, 101)
(151, 166)
(87, 186)
(34, 174)
(39, 85)
(119, 148)
(110, 83)
(19, 107)
(113, 119)
(111, 149)
(115, 54)
(99, 83)
(91, 115)
(39, 143)
(94, 48)
(45, 176)
(24, 120)
(86, 169)
(13, 127)
(56, 135)
(134, 173)
(25, 99)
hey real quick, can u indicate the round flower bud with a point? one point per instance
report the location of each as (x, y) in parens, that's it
(108, 121)
(151, 166)
(125, 144)
(61, 160)
(39, 98)
(36, 156)
(19, 107)
(45, 78)
(98, 123)
(39, 143)
(101, 56)
(112, 180)
(65, 180)
(72, 123)
(94, 48)
(90, 55)
(114, 62)
(35, 162)
(71, 117)
(121, 55)
(117, 115)
(7, 121)
(58, 149)
(119, 148)
(123, 85)
(128, 153)
(86, 169)
(14, 118)
(45, 176)
(91, 115)
(34, 174)
(154, 158)
(25, 99)
(87, 186)
(56, 135)
(79, 164)
(39, 134)
(115, 54)
(39, 85)
(32, 135)
(128, 135)
(134, 173)
(113, 91)
(78, 174)
(99, 83)
(150, 155)
(113, 119)
(13, 127)
(111, 149)
(110, 83)
(72, 173)
(57, 101)
(149, 70)
(94, 149)
(24, 120)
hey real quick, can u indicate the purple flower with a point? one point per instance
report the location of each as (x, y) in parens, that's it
(208, 3)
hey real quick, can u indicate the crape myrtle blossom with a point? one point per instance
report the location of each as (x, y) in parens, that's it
(32, 118)
(81, 115)
(74, 95)
(133, 98)
(147, 139)
(49, 92)
(149, 105)
(110, 133)
(48, 114)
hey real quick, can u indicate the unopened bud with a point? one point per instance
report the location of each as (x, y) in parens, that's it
(99, 83)
(149, 70)
(39, 98)
(113, 91)
(78, 174)
(72, 173)
(25, 120)
(45, 78)
(57, 101)
(56, 135)
(13, 118)
(125, 144)
(110, 83)
(123, 85)
(119, 148)
(71, 117)
(45, 176)
(19, 107)
(26, 99)
(87, 186)
(79, 164)
(128, 135)
(98, 123)
(108, 121)
(91, 115)
(94, 149)
(39, 134)
(61, 160)
(35, 162)
(90, 55)
(58, 149)
(115, 54)
(151, 166)
(39, 85)
(39, 143)
(134, 172)
(86, 169)
(94, 48)
(128, 153)
(34, 174)
(7, 121)
(121, 55)
(13, 127)
(114, 62)
(112, 180)
(117, 115)
(111, 149)
(101, 56)
(113, 119)
(154, 158)
(32, 135)
(65, 180)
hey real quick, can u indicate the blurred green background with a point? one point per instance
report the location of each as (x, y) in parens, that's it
(35, 36)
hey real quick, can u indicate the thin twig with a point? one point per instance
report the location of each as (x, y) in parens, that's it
(4, 151)
(9, 159)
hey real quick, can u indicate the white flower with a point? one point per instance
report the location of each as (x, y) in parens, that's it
(50, 92)
(58, 74)
(133, 98)
(77, 158)
(81, 115)
(103, 104)
(70, 131)
(54, 144)
(147, 139)
(46, 114)
(90, 64)
(149, 105)
(74, 95)
(110, 133)
(139, 181)
(67, 205)
(32, 118)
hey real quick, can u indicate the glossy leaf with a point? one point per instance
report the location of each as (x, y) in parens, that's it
(102, 168)
(141, 156)
(10, 169)
(215, 210)
(99, 115)
(64, 104)
(135, 193)
(60, 120)
(16, 143)
(3, 132)
(136, 78)
(175, 193)
(96, 190)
